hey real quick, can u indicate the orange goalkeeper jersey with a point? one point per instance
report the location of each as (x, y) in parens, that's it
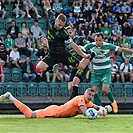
(71, 108)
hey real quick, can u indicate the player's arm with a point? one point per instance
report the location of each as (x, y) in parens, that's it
(83, 108)
(79, 51)
(47, 4)
(126, 50)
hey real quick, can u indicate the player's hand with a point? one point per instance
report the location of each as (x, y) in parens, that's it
(102, 111)
(108, 108)
(87, 56)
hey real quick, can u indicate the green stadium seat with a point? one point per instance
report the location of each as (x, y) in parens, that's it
(30, 22)
(7, 74)
(118, 89)
(119, 59)
(23, 57)
(34, 2)
(2, 88)
(8, 22)
(16, 74)
(33, 59)
(80, 89)
(40, 11)
(64, 89)
(3, 33)
(2, 23)
(43, 89)
(42, 23)
(11, 87)
(21, 89)
(19, 21)
(8, 11)
(32, 89)
(128, 88)
(85, 85)
(54, 89)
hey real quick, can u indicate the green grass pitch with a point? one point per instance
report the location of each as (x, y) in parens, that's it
(78, 124)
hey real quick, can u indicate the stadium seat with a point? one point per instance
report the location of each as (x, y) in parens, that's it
(8, 22)
(42, 23)
(11, 87)
(23, 57)
(30, 22)
(7, 74)
(21, 89)
(3, 33)
(43, 89)
(16, 74)
(8, 11)
(2, 88)
(80, 89)
(128, 88)
(34, 2)
(118, 89)
(33, 59)
(2, 23)
(85, 85)
(32, 89)
(64, 89)
(19, 21)
(54, 89)
(119, 59)
(40, 11)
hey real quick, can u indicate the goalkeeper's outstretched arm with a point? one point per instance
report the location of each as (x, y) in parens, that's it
(47, 4)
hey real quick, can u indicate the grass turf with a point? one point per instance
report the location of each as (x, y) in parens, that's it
(78, 124)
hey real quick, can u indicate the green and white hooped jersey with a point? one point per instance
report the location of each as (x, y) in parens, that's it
(101, 61)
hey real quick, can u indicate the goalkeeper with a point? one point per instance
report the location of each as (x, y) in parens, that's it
(72, 108)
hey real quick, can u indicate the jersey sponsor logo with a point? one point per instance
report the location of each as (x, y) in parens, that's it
(69, 41)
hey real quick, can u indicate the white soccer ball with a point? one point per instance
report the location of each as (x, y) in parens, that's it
(91, 113)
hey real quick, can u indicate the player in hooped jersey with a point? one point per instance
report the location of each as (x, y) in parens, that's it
(101, 75)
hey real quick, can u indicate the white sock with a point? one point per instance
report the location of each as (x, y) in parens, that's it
(12, 98)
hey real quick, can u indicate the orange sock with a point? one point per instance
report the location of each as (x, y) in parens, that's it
(23, 108)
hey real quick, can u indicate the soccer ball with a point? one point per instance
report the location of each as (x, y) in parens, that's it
(91, 113)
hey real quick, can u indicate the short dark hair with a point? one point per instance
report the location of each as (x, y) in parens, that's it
(98, 34)
(62, 17)
(90, 89)
(35, 20)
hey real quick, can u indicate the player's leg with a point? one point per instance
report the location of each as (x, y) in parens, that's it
(95, 82)
(22, 107)
(105, 88)
(50, 111)
(75, 83)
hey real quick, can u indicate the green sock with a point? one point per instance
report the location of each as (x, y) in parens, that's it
(97, 100)
(110, 96)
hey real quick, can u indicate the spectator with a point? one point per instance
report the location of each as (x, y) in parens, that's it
(127, 27)
(17, 8)
(121, 19)
(14, 57)
(2, 76)
(13, 30)
(57, 7)
(63, 72)
(125, 8)
(117, 30)
(49, 74)
(30, 8)
(31, 44)
(106, 30)
(126, 71)
(24, 30)
(76, 7)
(36, 30)
(107, 9)
(3, 54)
(28, 70)
(2, 9)
(85, 30)
(40, 76)
(112, 19)
(117, 8)
(71, 21)
(21, 44)
(9, 43)
(115, 71)
(1, 39)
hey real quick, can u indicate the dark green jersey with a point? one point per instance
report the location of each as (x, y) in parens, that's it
(57, 38)
(79, 40)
